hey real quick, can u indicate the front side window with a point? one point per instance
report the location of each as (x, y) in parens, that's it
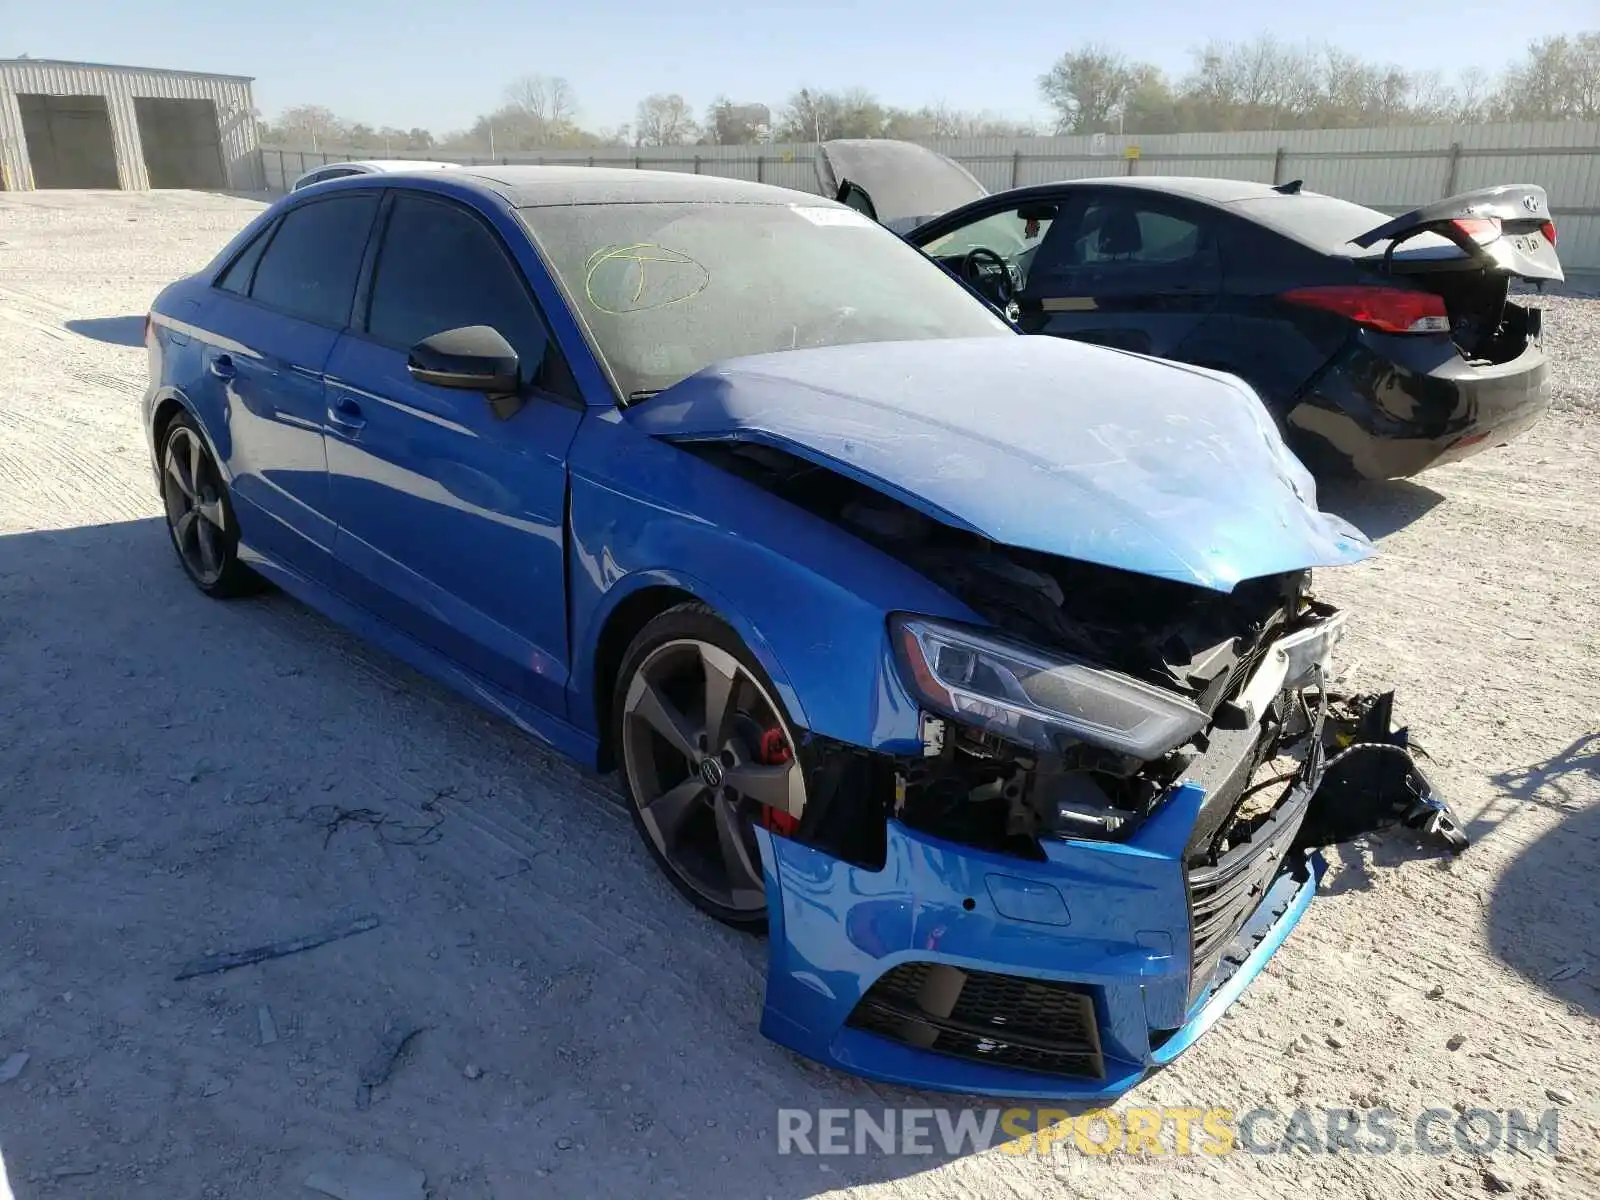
(1127, 242)
(441, 268)
(1015, 235)
(666, 289)
(309, 268)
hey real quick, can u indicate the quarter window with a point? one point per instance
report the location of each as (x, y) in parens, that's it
(236, 278)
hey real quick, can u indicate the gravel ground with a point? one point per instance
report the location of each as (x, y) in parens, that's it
(179, 768)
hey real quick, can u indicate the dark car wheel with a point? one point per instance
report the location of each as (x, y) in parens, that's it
(706, 751)
(199, 516)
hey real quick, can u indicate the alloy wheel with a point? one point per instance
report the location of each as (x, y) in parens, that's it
(708, 753)
(192, 491)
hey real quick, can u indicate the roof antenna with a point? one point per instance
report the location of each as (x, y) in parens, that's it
(1292, 188)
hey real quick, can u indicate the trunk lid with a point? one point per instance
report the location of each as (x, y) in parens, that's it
(1501, 229)
(1038, 443)
(1467, 249)
(900, 184)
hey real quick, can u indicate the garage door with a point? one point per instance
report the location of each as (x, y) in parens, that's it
(69, 141)
(182, 147)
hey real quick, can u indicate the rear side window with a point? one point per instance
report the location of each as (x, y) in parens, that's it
(241, 271)
(1322, 222)
(309, 270)
(441, 268)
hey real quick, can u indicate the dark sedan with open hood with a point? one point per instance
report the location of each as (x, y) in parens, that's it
(1381, 346)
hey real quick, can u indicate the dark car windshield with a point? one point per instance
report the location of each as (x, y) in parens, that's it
(669, 288)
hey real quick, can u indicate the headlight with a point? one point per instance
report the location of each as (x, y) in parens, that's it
(1041, 700)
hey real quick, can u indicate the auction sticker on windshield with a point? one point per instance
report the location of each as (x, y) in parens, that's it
(818, 215)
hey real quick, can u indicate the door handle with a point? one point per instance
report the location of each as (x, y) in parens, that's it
(346, 415)
(222, 367)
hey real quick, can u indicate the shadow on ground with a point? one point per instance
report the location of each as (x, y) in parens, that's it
(169, 762)
(1377, 507)
(115, 331)
(1544, 916)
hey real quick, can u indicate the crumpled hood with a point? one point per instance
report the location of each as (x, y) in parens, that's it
(1039, 443)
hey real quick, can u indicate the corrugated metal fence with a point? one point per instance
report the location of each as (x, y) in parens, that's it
(1388, 169)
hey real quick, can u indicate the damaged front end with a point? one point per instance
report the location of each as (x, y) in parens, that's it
(1112, 745)
(1111, 824)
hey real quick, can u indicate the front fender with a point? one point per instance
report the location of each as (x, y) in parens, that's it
(809, 600)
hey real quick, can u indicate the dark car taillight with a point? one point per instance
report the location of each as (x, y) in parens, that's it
(1392, 310)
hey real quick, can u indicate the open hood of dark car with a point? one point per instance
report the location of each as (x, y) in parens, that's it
(900, 184)
(1038, 443)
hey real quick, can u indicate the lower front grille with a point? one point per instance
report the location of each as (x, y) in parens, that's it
(1004, 1020)
(1223, 894)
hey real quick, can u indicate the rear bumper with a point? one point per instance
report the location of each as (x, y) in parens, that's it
(1079, 967)
(1390, 406)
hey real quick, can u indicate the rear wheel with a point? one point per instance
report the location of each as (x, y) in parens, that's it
(706, 753)
(199, 517)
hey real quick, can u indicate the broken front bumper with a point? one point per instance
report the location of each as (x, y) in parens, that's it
(1072, 977)
(957, 969)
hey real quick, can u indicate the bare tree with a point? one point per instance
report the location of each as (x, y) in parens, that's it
(815, 116)
(730, 124)
(664, 119)
(309, 126)
(1087, 89)
(1558, 79)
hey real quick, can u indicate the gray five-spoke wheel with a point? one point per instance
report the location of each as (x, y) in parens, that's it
(708, 752)
(192, 491)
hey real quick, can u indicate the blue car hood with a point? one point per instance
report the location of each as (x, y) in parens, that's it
(1036, 442)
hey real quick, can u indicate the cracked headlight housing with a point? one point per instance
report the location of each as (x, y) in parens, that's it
(1034, 697)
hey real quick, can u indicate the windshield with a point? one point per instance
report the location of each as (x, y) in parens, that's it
(668, 289)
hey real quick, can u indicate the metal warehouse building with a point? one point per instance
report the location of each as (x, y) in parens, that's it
(85, 125)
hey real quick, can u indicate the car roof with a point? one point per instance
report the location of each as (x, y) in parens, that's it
(1193, 187)
(541, 187)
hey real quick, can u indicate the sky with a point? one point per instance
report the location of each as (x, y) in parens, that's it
(438, 65)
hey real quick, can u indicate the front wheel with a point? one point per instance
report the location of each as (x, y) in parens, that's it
(706, 752)
(200, 519)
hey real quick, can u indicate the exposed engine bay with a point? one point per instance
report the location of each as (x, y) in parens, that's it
(1258, 746)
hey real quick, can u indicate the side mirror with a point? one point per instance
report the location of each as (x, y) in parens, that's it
(475, 358)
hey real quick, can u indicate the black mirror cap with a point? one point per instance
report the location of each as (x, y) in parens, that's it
(475, 358)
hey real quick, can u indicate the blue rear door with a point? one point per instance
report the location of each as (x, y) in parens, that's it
(269, 328)
(451, 517)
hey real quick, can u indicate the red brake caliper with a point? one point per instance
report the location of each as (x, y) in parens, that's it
(774, 753)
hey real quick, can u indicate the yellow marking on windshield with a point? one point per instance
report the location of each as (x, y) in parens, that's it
(679, 285)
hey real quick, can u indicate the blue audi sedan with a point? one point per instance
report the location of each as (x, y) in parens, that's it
(965, 664)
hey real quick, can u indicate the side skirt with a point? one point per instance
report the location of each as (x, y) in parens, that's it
(551, 730)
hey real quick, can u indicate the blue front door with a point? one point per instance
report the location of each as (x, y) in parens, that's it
(451, 518)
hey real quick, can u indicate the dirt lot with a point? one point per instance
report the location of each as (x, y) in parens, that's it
(178, 769)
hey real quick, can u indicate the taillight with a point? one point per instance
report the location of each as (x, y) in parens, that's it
(1549, 231)
(1393, 310)
(1479, 229)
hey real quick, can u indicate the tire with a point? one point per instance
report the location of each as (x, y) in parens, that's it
(688, 813)
(200, 521)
